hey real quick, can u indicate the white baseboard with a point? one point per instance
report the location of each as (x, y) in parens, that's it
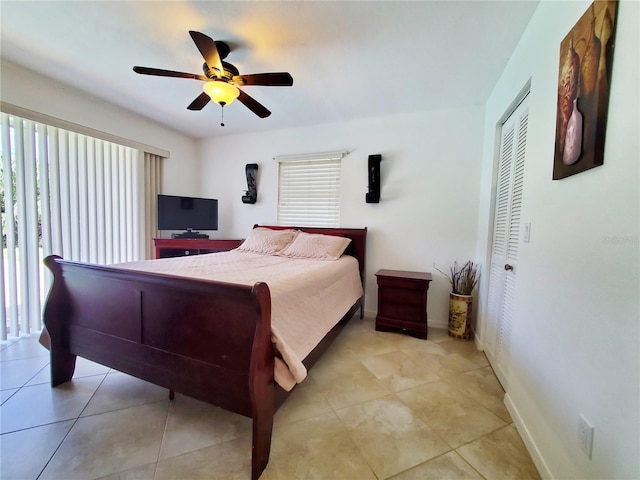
(532, 448)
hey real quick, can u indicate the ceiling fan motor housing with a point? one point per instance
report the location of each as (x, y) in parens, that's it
(230, 71)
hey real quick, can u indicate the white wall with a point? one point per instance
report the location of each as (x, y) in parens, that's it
(429, 176)
(576, 338)
(31, 90)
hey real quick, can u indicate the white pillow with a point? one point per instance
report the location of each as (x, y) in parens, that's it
(317, 246)
(267, 241)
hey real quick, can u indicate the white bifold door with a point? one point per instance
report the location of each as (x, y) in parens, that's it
(503, 269)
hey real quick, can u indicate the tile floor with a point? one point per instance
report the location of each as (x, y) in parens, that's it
(376, 406)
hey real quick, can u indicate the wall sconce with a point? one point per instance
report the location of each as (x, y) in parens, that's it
(373, 196)
(251, 195)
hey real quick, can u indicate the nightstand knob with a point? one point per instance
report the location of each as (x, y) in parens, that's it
(186, 252)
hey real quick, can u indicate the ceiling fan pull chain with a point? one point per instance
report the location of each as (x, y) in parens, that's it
(222, 116)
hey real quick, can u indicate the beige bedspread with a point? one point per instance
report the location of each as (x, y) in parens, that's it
(308, 297)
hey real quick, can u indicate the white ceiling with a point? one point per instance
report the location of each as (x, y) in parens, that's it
(349, 60)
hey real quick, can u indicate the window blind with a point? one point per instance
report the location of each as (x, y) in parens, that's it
(69, 194)
(309, 189)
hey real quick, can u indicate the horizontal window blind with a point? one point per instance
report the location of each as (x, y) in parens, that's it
(309, 189)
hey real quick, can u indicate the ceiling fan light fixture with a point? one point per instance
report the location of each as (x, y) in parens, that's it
(221, 92)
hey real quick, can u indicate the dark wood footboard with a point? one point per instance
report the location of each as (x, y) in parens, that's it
(175, 333)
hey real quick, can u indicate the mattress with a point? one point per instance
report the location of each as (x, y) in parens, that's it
(308, 297)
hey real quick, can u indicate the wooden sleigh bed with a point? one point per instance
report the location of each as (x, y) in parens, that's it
(206, 339)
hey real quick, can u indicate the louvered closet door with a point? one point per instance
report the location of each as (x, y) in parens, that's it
(506, 238)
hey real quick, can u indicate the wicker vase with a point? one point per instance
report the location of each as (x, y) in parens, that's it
(460, 316)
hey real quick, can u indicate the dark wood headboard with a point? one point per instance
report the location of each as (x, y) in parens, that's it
(357, 248)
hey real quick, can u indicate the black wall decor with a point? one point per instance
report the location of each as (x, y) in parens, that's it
(373, 196)
(252, 193)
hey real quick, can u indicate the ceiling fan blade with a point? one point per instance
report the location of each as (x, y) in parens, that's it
(278, 79)
(209, 51)
(168, 73)
(200, 102)
(253, 105)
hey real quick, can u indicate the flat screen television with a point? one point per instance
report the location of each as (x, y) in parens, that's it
(187, 213)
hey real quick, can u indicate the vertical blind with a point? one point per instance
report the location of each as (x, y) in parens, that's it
(69, 194)
(309, 189)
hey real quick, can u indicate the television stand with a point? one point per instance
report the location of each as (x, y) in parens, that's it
(180, 247)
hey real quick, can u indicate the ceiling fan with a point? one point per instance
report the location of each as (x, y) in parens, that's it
(221, 78)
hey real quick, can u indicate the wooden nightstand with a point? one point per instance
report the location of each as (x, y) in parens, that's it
(402, 302)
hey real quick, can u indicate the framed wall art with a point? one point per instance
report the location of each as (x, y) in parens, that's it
(586, 58)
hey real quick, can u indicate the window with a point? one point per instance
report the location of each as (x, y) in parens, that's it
(69, 194)
(309, 189)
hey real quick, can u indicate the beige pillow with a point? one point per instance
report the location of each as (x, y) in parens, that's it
(267, 241)
(317, 246)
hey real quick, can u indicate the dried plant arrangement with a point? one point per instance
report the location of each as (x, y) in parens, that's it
(463, 278)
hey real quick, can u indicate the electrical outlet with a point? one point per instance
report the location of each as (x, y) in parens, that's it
(585, 436)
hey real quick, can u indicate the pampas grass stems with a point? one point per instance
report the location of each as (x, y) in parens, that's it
(463, 278)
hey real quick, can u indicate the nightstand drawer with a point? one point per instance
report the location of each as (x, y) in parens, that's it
(403, 283)
(396, 295)
(409, 313)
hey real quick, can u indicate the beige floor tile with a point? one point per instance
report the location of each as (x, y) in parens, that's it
(6, 394)
(27, 347)
(15, 373)
(455, 417)
(145, 472)
(226, 461)
(84, 368)
(371, 342)
(305, 401)
(483, 386)
(335, 363)
(26, 452)
(318, 448)
(344, 380)
(447, 466)
(193, 425)
(404, 341)
(357, 324)
(438, 335)
(500, 455)
(398, 338)
(41, 404)
(399, 371)
(355, 386)
(468, 350)
(7, 343)
(351, 331)
(110, 442)
(436, 355)
(390, 436)
(119, 391)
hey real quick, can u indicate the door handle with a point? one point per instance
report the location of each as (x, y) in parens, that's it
(508, 267)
